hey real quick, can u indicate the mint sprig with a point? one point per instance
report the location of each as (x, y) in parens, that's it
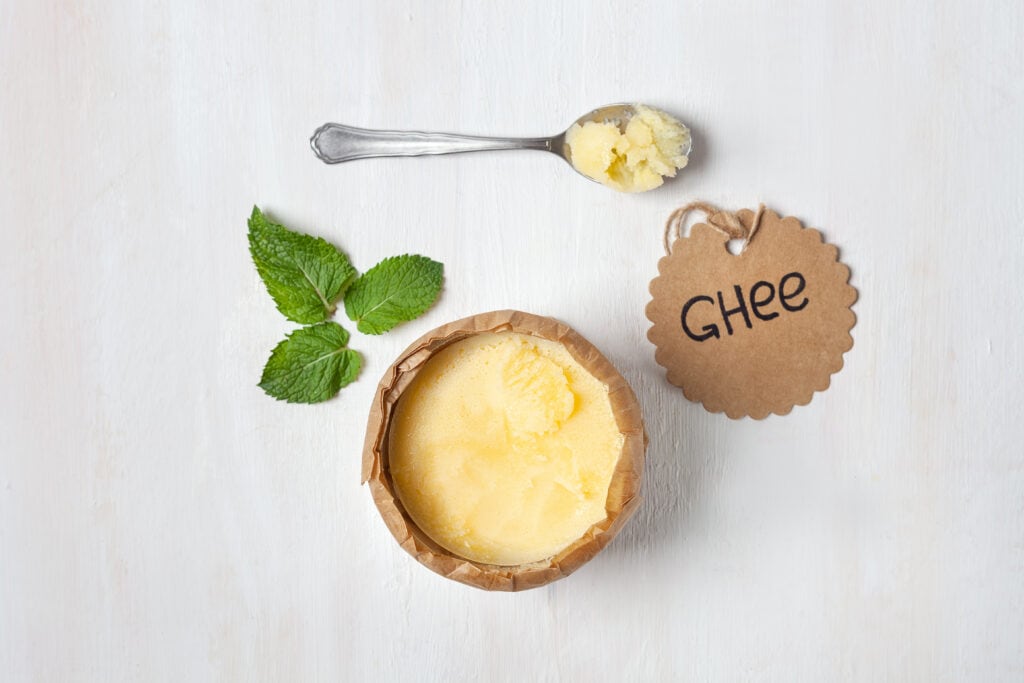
(306, 276)
(395, 290)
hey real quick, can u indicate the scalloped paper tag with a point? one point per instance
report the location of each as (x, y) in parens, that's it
(757, 332)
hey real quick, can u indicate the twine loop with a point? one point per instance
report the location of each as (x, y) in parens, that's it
(725, 222)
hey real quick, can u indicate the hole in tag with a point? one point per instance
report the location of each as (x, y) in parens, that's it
(735, 247)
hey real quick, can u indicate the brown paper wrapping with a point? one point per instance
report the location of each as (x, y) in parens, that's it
(623, 493)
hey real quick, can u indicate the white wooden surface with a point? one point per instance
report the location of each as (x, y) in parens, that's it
(162, 519)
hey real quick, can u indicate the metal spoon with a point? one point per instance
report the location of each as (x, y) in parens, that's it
(334, 143)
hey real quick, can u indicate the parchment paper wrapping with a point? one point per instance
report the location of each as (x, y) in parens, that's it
(623, 493)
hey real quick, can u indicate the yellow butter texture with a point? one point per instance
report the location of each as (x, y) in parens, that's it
(652, 146)
(503, 448)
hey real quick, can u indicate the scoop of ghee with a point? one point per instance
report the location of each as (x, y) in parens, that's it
(652, 146)
(503, 447)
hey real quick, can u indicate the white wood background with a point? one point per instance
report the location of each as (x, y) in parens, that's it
(163, 520)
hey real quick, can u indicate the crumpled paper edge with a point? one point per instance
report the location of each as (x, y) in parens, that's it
(623, 492)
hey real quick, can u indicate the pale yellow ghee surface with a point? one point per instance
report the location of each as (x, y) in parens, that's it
(652, 145)
(503, 448)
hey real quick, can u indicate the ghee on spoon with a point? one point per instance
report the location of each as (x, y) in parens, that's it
(628, 147)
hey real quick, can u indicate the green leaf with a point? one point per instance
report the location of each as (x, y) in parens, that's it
(311, 365)
(305, 275)
(397, 289)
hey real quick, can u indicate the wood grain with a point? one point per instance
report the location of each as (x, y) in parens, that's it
(162, 519)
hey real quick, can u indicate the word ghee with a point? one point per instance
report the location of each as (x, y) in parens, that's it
(503, 447)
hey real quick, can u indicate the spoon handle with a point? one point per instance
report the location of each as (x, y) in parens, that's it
(334, 143)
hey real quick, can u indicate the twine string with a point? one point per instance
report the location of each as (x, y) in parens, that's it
(725, 222)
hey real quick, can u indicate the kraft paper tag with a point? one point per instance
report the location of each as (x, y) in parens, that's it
(757, 332)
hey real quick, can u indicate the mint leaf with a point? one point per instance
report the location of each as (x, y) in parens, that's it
(311, 365)
(397, 289)
(305, 275)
